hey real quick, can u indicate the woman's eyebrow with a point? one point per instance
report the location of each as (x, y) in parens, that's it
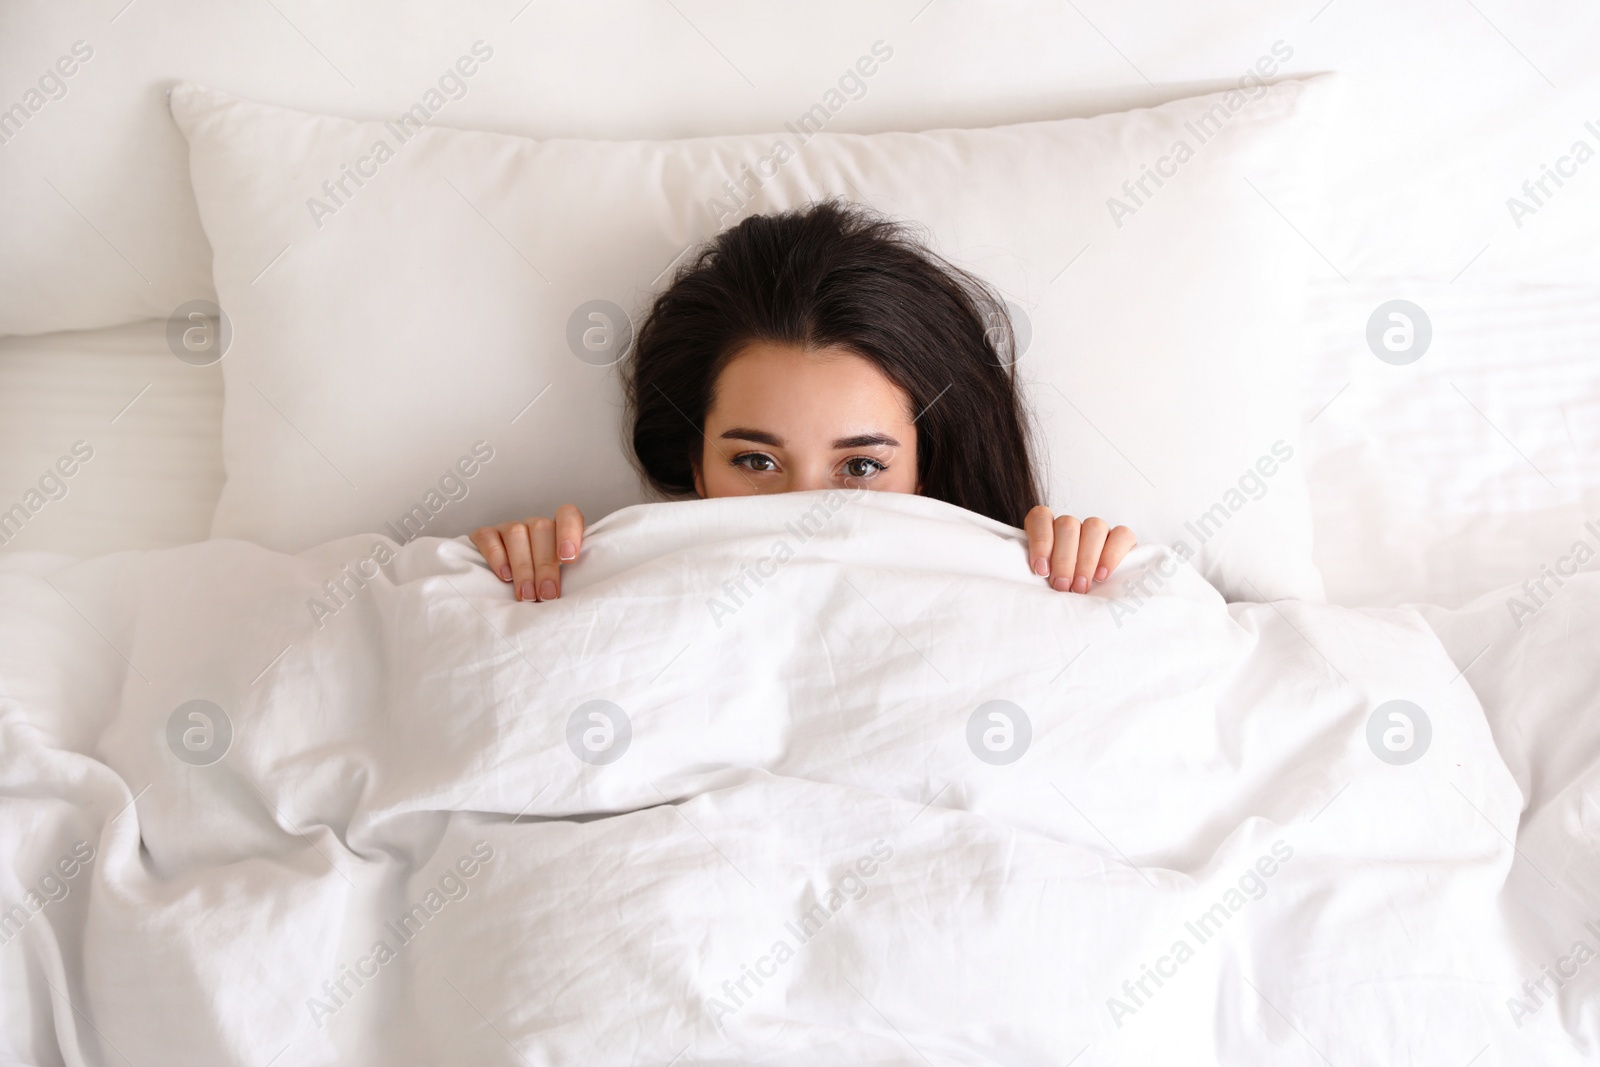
(866, 439)
(761, 437)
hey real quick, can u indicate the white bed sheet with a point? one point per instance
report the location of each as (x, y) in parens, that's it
(1472, 468)
(1532, 661)
(152, 422)
(779, 736)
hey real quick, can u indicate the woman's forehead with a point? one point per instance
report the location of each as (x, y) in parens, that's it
(827, 392)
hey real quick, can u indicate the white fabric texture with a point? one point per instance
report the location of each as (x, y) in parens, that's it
(1466, 470)
(152, 422)
(798, 675)
(1528, 651)
(384, 330)
(1450, 110)
(1399, 515)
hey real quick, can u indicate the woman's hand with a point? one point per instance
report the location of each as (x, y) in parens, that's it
(529, 553)
(1073, 554)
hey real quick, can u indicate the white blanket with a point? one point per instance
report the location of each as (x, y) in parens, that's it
(798, 779)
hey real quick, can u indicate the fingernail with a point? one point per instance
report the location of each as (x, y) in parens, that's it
(1061, 585)
(1100, 574)
(547, 590)
(1041, 567)
(527, 591)
(569, 550)
(505, 574)
(1080, 584)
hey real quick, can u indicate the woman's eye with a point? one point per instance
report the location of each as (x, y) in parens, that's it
(755, 461)
(862, 467)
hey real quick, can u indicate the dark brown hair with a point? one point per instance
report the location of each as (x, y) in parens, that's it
(835, 274)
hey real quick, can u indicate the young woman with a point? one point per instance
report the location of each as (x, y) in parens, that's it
(826, 348)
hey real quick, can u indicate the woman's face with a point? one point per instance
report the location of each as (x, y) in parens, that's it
(785, 419)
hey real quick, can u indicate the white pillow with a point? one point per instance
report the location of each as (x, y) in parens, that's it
(404, 302)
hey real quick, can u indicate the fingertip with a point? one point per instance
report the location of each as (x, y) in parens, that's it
(504, 572)
(568, 551)
(1041, 567)
(1080, 584)
(1101, 573)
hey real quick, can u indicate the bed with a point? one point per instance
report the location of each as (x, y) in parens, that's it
(759, 788)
